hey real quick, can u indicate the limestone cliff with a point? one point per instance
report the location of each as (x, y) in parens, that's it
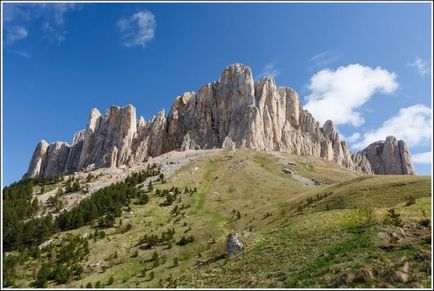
(389, 157)
(233, 112)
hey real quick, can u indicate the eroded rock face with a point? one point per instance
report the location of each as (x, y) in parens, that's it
(55, 159)
(361, 163)
(36, 164)
(389, 157)
(233, 112)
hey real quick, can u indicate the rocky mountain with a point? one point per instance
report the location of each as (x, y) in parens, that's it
(233, 112)
(389, 157)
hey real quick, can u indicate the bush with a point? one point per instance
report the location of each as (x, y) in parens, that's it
(42, 276)
(61, 274)
(185, 240)
(143, 199)
(72, 187)
(367, 213)
(111, 280)
(107, 220)
(393, 218)
(410, 201)
(425, 222)
(156, 259)
(129, 227)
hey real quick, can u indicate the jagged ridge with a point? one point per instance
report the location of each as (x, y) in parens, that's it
(233, 112)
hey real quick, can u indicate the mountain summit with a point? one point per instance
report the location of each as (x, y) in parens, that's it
(233, 112)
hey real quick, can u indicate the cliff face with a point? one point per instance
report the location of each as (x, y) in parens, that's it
(233, 112)
(389, 157)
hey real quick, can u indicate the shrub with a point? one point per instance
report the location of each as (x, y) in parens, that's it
(42, 276)
(111, 280)
(368, 215)
(393, 218)
(185, 240)
(143, 199)
(89, 285)
(425, 222)
(107, 220)
(266, 215)
(156, 259)
(61, 274)
(410, 201)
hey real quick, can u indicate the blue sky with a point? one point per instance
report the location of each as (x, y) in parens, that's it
(366, 66)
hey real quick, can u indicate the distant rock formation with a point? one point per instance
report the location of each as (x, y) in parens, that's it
(389, 157)
(233, 112)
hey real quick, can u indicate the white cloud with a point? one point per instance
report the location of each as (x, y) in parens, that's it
(421, 66)
(23, 54)
(323, 59)
(52, 33)
(270, 70)
(137, 29)
(336, 95)
(422, 158)
(353, 138)
(15, 33)
(411, 124)
(52, 16)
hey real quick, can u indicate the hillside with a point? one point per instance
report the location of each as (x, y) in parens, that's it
(304, 222)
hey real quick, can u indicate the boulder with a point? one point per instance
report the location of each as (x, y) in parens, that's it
(286, 171)
(234, 244)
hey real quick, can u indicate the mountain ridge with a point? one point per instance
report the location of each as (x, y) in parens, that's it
(232, 112)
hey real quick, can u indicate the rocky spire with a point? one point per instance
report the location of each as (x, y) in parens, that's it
(36, 164)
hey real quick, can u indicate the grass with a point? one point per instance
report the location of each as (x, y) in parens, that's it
(312, 252)
(284, 247)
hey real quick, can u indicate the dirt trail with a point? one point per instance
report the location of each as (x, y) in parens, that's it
(289, 164)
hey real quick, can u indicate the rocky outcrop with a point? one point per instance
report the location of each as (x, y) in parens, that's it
(36, 167)
(389, 157)
(361, 163)
(233, 112)
(234, 244)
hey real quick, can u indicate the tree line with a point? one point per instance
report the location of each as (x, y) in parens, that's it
(20, 230)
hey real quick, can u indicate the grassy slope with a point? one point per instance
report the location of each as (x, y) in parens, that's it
(284, 248)
(316, 248)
